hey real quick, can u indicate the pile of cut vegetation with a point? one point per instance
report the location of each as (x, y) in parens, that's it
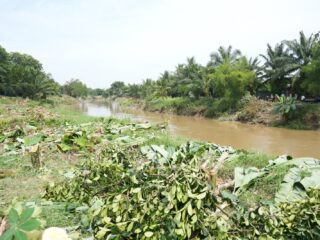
(163, 192)
(132, 180)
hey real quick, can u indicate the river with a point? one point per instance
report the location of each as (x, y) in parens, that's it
(274, 141)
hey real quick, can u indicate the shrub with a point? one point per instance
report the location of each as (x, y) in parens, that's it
(286, 106)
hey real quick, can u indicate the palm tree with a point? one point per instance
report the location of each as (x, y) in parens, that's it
(302, 52)
(162, 84)
(45, 85)
(278, 66)
(192, 78)
(3, 63)
(224, 55)
(302, 49)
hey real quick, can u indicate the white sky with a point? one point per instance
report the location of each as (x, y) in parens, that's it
(102, 41)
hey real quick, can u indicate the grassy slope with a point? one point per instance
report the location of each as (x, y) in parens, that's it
(25, 184)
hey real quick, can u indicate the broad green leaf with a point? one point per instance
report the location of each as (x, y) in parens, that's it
(189, 209)
(243, 177)
(30, 141)
(64, 147)
(143, 125)
(102, 232)
(295, 183)
(13, 216)
(30, 225)
(148, 234)
(160, 149)
(179, 232)
(19, 235)
(136, 190)
(82, 141)
(229, 196)
(2, 138)
(130, 226)
(26, 214)
(201, 195)
(7, 235)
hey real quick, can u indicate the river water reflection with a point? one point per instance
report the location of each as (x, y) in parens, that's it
(276, 141)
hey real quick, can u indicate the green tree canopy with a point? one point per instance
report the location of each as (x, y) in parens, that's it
(231, 82)
(311, 71)
(278, 66)
(75, 88)
(23, 75)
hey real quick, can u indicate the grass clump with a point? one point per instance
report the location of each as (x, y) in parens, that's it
(244, 159)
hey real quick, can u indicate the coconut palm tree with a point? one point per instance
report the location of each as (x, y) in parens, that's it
(302, 52)
(278, 68)
(224, 55)
(45, 85)
(302, 49)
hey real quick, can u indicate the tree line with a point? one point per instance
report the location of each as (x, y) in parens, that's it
(290, 67)
(22, 75)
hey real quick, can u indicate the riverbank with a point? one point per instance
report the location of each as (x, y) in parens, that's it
(251, 110)
(85, 164)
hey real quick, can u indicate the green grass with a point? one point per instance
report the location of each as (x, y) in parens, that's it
(57, 214)
(245, 159)
(263, 188)
(69, 114)
(166, 140)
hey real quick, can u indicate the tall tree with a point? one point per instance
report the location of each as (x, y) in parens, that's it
(302, 52)
(311, 71)
(224, 55)
(231, 82)
(278, 66)
(302, 49)
(75, 88)
(4, 67)
(118, 89)
(25, 77)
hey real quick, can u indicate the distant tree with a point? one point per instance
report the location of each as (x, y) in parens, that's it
(147, 88)
(75, 88)
(4, 68)
(229, 75)
(23, 75)
(311, 71)
(253, 64)
(224, 55)
(302, 51)
(231, 82)
(117, 89)
(133, 90)
(188, 79)
(278, 66)
(303, 48)
(44, 85)
(162, 87)
(96, 92)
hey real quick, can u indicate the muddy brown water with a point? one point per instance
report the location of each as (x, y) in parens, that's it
(274, 141)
